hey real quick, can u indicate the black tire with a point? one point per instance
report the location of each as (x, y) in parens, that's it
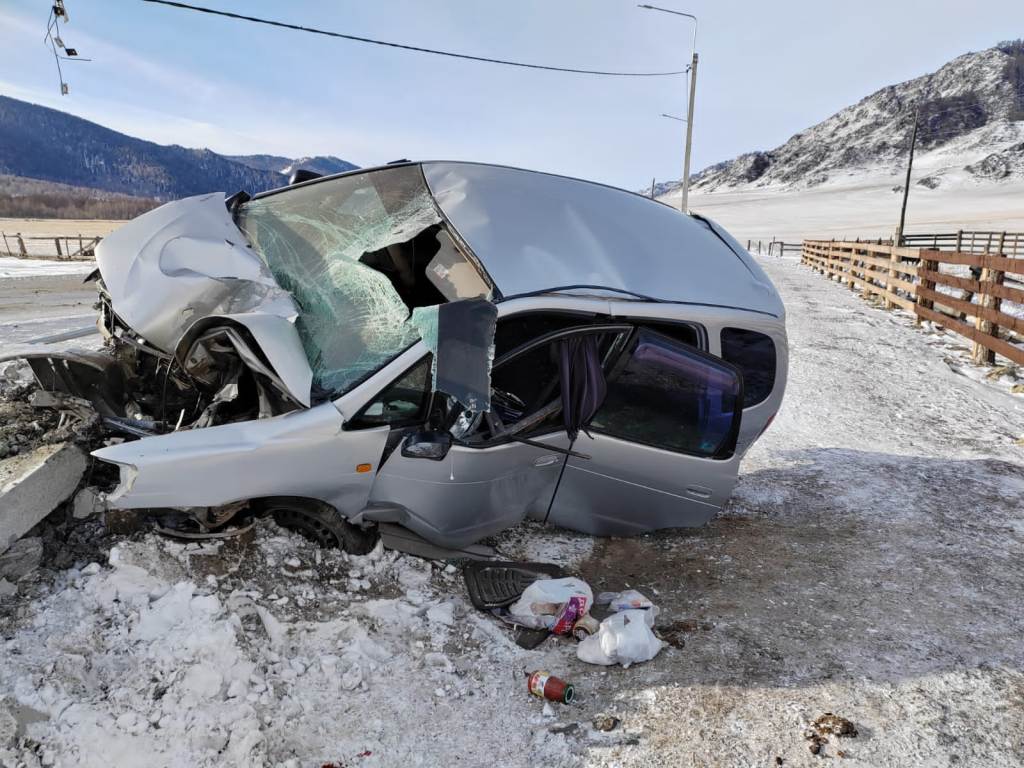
(319, 523)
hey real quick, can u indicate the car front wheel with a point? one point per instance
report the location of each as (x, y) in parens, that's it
(320, 523)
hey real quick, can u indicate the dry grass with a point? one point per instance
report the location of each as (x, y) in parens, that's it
(59, 227)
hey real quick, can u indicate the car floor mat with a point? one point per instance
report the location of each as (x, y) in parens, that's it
(499, 584)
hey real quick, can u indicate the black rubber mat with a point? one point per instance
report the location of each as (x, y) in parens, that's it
(498, 584)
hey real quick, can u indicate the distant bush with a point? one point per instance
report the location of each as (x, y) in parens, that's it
(25, 198)
(61, 206)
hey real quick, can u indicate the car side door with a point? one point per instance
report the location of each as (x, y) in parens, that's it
(461, 489)
(661, 447)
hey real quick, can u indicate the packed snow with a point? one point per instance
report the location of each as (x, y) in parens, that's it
(11, 266)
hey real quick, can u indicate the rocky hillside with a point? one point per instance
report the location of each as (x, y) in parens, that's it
(971, 125)
(41, 143)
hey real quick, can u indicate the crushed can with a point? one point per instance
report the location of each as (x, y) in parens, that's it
(544, 685)
(584, 627)
(573, 609)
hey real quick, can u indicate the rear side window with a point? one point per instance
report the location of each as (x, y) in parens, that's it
(754, 354)
(671, 396)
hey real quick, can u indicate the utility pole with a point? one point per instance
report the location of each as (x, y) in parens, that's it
(685, 189)
(684, 200)
(652, 188)
(898, 239)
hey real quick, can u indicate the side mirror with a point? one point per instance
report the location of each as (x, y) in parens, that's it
(427, 445)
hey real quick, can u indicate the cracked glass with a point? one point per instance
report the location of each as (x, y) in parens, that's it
(346, 250)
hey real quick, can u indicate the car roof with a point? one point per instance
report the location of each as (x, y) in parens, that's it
(535, 232)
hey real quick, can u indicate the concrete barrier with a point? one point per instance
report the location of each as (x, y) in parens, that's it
(35, 483)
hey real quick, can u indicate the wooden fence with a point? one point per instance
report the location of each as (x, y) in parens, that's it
(960, 291)
(61, 247)
(773, 247)
(1008, 243)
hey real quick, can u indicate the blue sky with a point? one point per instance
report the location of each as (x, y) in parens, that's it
(767, 71)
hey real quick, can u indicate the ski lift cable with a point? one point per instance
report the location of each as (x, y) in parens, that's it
(403, 46)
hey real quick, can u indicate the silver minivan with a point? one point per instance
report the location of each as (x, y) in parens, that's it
(434, 351)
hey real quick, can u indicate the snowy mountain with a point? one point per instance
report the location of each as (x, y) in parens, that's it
(324, 164)
(971, 128)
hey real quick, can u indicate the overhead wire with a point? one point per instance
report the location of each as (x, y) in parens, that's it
(53, 37)
(406, 47)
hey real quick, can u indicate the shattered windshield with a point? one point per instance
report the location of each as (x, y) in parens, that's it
(358, 253)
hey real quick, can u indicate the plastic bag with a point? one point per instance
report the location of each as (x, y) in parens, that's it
(623, 601)
(624, 638)
(629, 600)
(554, 604)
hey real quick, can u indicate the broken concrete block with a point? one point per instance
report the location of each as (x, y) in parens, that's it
(21, 558)
(33, 484)
(87, 502)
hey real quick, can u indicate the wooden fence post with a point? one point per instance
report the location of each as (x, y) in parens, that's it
(7, 245)
(923, 265)
(889, 285)
(56, 242)
(989, 276)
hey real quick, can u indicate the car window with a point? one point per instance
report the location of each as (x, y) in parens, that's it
(403, 402)
(754, 354)
(671, 396)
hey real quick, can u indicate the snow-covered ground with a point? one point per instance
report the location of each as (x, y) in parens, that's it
(11, 266)
(869, 565)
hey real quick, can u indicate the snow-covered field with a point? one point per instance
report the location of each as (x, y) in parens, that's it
(863, 205)
(869, 565)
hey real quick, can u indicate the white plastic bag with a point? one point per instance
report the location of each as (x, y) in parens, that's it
(624, 638)
(623, 601)
(552, 603)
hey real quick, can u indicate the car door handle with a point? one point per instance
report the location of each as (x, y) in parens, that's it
(699, 491)
(546, 461)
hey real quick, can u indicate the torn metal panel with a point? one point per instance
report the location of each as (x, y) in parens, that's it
(94, 376)
(537, 232)
(279, 342)
(187, 261)
(320, 242)
(304, 453)
(461, 337)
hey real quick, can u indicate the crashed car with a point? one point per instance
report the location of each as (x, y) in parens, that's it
(430, 351)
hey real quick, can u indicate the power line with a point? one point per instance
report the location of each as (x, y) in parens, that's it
(417, 49)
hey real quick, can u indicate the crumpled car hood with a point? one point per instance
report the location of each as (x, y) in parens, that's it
(186, 263)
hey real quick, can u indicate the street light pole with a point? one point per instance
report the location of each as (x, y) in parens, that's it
(684, 199)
